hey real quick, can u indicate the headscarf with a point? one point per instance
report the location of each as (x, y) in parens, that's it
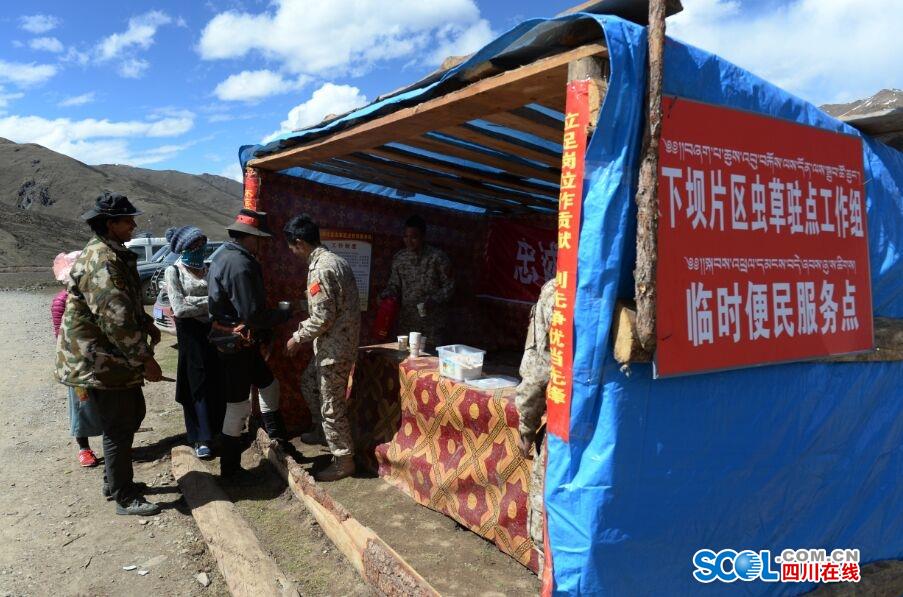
(62, 265)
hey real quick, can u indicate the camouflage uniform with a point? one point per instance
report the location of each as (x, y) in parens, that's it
(334, 326)
(102, 347)
(423, 277)
(530, 399)
(103, 342)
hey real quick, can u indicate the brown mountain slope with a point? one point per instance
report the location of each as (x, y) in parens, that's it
(43, 193)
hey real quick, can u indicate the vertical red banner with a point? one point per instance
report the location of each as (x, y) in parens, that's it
(570, 201)
(252, 188)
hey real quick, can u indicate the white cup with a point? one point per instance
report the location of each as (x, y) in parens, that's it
(422, 343)
(402, 343)
(414, 343)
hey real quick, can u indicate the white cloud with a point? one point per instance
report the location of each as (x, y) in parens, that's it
(39, 24)
(233, 171)
(97, 141)
(6, 98)
(123, 46)
(328, 99)
(140, 34)
(250, 86)
(77, 100)
(26, 74)
(75, 56)
(47, 44)
(455, 40)
(823, 50)
(133, 68)
(341, 37)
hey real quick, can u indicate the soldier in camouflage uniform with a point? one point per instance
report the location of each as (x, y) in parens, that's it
(333, 324)
(530, 401)
(421, 279)
(105, 340)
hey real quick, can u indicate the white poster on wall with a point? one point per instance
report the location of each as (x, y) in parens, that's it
(356, 249)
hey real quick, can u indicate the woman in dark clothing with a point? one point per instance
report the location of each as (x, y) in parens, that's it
(197, 384)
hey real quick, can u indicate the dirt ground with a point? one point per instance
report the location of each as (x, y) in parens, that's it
(59, 536)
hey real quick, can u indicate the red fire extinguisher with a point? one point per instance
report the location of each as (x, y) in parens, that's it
(386, 313)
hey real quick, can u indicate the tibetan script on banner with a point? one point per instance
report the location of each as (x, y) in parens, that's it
(570, 202)
(762, 241)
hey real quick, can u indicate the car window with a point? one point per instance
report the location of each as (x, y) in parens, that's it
(160, 254)
(171, 258)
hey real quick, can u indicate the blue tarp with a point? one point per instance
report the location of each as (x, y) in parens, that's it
(788, 456)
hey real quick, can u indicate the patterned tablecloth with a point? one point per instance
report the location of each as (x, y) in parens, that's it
(453, 448)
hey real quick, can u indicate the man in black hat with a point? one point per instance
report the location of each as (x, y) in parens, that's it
(242, 326)
(105, 343)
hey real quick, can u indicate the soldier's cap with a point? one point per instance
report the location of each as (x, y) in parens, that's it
(251, 222)
(111, 205)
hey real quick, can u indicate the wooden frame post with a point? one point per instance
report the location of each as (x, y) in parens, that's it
(647, 192)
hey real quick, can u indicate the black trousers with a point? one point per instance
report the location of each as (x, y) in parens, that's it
(242, 370)
(198, 387)
(121, 413)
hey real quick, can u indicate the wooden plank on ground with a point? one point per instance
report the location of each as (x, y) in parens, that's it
(541, 81)
(247, 568)
(377, 563)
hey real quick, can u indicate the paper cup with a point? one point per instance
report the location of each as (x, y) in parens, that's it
(402, 343)
(414, 343)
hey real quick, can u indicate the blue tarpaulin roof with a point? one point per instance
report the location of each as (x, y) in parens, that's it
(785, 456)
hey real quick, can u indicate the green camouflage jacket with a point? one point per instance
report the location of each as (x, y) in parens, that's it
(103, 341)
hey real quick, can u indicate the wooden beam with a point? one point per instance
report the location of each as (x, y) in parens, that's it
(500, 143)
(626, 344)
(401, 155)
(534, 82)
(355, 172)
(377, 563)
(493, 159)
(247, 568)
(647, 192)
(517, 122)
(441, 179)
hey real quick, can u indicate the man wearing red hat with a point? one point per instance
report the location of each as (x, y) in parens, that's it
(241, 324)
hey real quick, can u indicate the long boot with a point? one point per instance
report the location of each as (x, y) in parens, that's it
(272, 422)
(231, 472)
(230, 456)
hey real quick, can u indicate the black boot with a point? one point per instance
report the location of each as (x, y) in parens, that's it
(272, 422)
(230, 456)
(230, 471)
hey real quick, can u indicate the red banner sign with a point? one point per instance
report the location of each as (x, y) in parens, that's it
(519, 259)
(570, 202)
(762, 241)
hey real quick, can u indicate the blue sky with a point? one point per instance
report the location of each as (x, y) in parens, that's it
(181, 85)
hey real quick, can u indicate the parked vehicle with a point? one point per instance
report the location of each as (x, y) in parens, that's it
(151, 272)
(163, 316)
(146, 246)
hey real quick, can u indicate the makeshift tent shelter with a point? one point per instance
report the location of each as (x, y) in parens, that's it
(793, 455)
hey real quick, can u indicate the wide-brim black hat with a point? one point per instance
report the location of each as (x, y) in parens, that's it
(251, 222)
(111, 205)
